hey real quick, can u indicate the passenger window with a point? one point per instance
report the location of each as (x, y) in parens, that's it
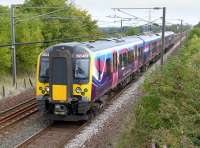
(125, 59)
(114, 62)
(141, 51)
(121, 64)
(129, 57)
(138, 52)
(99, 69)
(108, 67)
(135, 53)
(152, 47)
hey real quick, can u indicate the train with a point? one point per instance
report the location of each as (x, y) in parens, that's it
(73, 77)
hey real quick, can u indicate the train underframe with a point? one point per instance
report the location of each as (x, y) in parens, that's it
(74, 110)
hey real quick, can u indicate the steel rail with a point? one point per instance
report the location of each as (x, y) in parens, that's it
(17, 113)
(15, 107)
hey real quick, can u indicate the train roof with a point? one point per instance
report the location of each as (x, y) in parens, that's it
(49, 49)
(167, 33)
(106, 43)
(113, 42)
(150, 38)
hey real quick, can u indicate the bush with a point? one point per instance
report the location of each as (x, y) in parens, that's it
(169, 112)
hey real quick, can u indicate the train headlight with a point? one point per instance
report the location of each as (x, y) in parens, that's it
(47, 89)
(78, 90)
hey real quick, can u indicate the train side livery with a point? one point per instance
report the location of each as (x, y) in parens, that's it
(73, 77)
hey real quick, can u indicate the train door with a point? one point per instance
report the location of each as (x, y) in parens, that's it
(140, 55)
(60, 75)
(115, 70)
(108, 72)
(146, 53)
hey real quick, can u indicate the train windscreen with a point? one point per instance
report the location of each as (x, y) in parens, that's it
(81, 70)
(44, 70)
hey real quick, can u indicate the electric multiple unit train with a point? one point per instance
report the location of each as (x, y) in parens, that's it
(73, 77)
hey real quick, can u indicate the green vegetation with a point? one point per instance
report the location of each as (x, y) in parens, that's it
(4, 38)
(23, 83)
(169, 112)
(116, 31)
(132, 31)
(67, 23)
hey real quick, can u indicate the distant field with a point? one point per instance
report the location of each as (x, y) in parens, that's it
(169, 112)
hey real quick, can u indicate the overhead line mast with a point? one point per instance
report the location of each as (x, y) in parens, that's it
(12, 17)
(163, 35)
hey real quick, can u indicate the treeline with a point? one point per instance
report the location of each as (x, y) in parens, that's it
(117, 31)
(128, 30)
(49, 21)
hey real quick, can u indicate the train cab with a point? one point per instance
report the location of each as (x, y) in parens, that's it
(64, 82)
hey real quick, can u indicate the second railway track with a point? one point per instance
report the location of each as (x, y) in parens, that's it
(18, 112)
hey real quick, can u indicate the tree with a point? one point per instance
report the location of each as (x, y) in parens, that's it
(5, 58)
(26, 56)
(67, 22)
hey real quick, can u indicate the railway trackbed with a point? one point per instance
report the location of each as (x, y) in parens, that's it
(58, 134)
(18, 112)
(55, 135)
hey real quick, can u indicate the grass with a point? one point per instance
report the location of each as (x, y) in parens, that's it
(10, 90)
(169, 112)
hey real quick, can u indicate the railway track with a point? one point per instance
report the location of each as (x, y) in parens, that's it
(18, 112)
(58, 134)
(55, 135)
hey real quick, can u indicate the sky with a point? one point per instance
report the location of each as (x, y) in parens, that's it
(188, 10)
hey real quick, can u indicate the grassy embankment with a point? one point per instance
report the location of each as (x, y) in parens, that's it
(23, 83)
(169, 112)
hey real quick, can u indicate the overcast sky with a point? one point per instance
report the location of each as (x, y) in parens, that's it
(188, 10)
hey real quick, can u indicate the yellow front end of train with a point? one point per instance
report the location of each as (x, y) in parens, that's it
(64, 82)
